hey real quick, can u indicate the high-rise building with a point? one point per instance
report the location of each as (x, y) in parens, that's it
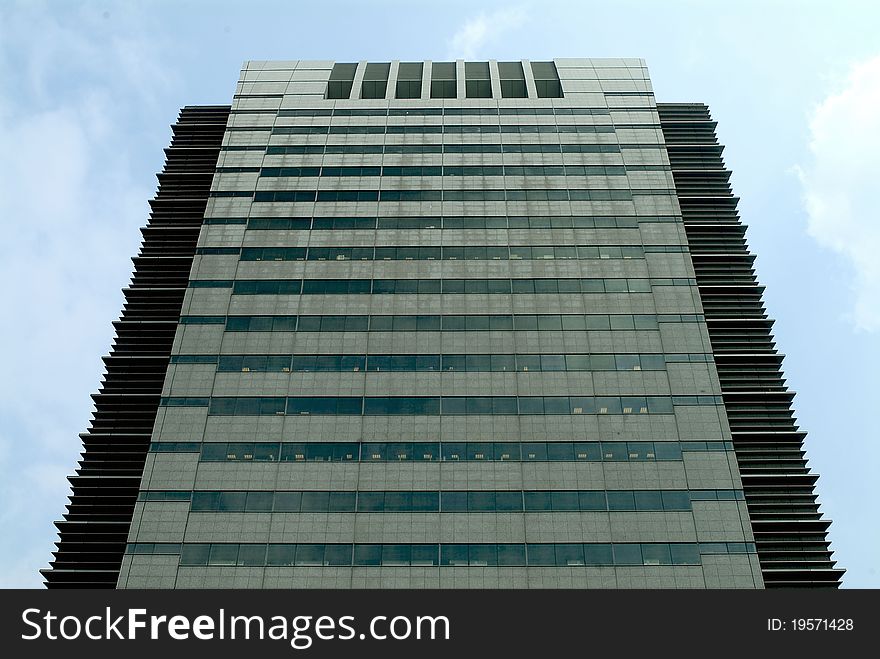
(444, 324)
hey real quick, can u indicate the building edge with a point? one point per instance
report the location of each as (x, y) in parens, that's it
(790, 532)
(104, 487)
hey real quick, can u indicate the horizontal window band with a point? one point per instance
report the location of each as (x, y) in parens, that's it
(446, 501)
(165, 495)
(422, 171)
(182, 401)
(175, 447)
(444, 323)
(453, 253)
(411, 149)
(210, 283)
(448, 451)
(501, 194)
(194, 359)
(438, 111)
(445, 253)
(445, 170)
(230, 193)
(256, 363)
(437, 405)
(545, 362)
(225, 220)
(454, 222)
(218, 251)
(202, 320)
(441, 129)
(493, 286)
(442, 253)
(439, 555)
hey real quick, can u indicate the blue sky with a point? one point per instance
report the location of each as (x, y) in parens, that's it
(90, 89)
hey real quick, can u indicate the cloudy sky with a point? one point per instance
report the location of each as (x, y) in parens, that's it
(90, 89)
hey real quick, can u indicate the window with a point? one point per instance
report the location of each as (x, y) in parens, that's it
(259, 502)
(194, 554)
(409, 80)
(598, 554)
(541, 555)
(443, 80)
(513, 80)
(546, 80)
(281, 555)
(341, 80)
(685, 554)
(476, 80)
(337, 555)
(288, 502)
(309, 554)
(375, 81)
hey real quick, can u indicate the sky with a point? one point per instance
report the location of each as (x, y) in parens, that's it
(90, 89)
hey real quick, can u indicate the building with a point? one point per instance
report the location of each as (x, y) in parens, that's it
(449, 324)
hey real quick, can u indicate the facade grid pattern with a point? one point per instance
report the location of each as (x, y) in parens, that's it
(442, 329)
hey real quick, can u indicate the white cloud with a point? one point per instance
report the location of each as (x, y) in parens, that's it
(840, 183)
(482, 30)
